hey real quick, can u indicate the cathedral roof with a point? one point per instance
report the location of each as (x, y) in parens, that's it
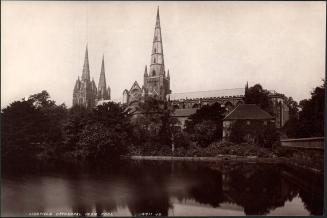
(186, 112)
(237, 92)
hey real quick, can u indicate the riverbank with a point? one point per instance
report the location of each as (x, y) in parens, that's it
(249, 159)
(229, 158)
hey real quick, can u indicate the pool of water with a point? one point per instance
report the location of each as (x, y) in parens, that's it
(162, 188)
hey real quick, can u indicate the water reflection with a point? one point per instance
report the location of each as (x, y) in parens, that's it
(160, 188)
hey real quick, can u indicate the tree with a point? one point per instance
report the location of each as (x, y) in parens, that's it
(98, 135)
(311, 116)
(257, 132)
(78, 117)
(259, 96)
(31, 127)
(309, 122)
(205, 126)
(153, 125)
(21, 126)
(292, 125)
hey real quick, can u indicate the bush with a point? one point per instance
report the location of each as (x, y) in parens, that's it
(259, 134)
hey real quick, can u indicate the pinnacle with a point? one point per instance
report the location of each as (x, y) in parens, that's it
(102, 79)
(158, 19)
(86, 68)
(102, 65)
(145, 71)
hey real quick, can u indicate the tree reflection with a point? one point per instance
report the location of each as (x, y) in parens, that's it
(312, 203)
(150, 188)
(258, 190)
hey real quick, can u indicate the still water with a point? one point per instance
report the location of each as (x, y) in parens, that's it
(162, 188)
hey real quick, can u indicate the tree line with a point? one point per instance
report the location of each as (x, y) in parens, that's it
(38, 128)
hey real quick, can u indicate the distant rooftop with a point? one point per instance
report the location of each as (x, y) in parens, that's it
(237, 92)
(106, 101)
(248, 112)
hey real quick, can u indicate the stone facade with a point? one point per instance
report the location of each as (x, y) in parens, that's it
(228, 98)
(156, 82)
(85, 91)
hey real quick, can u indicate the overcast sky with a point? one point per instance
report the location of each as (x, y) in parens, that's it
(207, 45)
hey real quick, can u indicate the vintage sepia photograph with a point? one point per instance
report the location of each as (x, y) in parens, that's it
(162, 108)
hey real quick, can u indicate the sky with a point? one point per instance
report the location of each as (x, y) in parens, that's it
(207, 45)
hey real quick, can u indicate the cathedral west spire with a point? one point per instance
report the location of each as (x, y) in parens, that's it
(86, 68)
(102, 79)
(146, 71)
(103, 92)
(85, 90)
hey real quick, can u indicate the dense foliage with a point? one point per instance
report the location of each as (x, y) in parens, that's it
(259, 96)
(259, 133)
(205, 126)
(153, 126)
(97, 135)
(38, 129)
(31, 127)
(309, 121)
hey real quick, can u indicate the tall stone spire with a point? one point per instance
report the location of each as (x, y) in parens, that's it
(86, 68)
(146, 71)
(102, 86)
(102, 79)
(246, 87)
(157, 66)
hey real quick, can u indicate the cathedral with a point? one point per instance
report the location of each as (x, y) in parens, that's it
(85, 91)
(156, 82)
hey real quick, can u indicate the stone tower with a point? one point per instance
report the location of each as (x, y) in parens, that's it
(156, 82)
(103, 91)
(85, 90)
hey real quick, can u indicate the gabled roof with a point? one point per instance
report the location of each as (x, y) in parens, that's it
(135, 85)
(184, 112)
(248, 112)
(209, 94)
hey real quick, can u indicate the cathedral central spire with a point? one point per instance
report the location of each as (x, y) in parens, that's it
(156, 83)
(86, 68)
(157, 65)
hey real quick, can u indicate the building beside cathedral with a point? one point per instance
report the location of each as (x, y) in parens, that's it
(156, 82)
(85, 91)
